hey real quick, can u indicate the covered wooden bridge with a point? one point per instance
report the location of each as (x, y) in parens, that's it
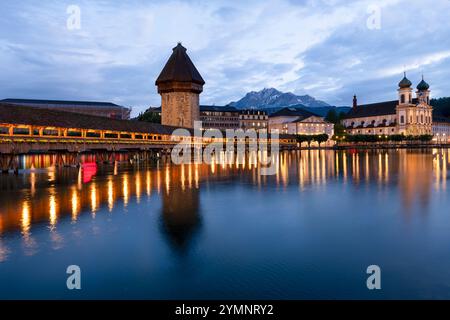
(27, 130)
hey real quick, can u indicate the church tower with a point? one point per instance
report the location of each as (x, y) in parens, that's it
(180, 85)
(423, 92)
(414, 116)
(405, 107)
(405, 91)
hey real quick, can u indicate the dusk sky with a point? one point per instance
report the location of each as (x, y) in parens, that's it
(330, 49)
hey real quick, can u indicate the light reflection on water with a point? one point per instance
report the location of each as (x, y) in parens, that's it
(36, 206)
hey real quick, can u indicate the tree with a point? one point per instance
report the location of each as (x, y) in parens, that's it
(332, 116)
(339, 129)
(320, 138)
(149, 116)
(441, 106)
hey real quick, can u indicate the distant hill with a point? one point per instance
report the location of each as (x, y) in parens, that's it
(274, 100)
(320, 111)
(323, 111)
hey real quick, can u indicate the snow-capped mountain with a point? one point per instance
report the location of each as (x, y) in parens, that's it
(272, 98)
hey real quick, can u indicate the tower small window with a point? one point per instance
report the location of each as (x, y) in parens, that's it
(402, 98)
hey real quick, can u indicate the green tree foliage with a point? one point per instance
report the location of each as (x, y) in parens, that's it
(149, 116)
(332, 116)
(336, 118)
(441, 106)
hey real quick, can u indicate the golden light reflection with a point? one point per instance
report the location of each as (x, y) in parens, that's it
(367, 174)
(414, 170)
(110, 195)
(380, 168)
(93, 199)
(386, 167)
(75, 205)
(26, 219)
(138, 187)
(158, 180)
(80, 179)
(190, 175)
(196, 176)
(52, 211)
(213, 165)
(344, 166)
(149, 183)
(182, 177)
(125, 190)
(33, 183)
(167, 179)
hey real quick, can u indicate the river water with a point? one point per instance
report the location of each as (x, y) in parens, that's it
(161, 231)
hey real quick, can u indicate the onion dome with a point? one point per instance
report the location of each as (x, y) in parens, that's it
(405, 83)
(423, 86)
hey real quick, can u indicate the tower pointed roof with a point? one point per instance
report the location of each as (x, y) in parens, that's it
(180, 68)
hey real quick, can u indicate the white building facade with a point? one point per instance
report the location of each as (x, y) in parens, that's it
(407, 115)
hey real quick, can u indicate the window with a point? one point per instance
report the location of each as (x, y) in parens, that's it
(125, 136)
(50, 132)
(73, 133)
(21, 131)
(111, 135)
(402, 119)
(402, 98)
(93, 134)
(4, 130)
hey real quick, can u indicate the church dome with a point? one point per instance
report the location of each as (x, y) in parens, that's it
(423, 86)
(405, 83)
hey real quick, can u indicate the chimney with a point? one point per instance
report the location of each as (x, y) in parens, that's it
(355, 101)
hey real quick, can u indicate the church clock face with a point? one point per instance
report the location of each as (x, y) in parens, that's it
(421, 97)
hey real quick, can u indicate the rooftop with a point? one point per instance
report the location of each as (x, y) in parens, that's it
(294, 112)
(374, 109)
(60, 102)
(218, 108)
(180, 68)
(25, 115)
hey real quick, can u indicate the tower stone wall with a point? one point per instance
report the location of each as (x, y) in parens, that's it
(180, 109)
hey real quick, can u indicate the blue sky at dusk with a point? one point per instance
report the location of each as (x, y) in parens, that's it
(322, 48)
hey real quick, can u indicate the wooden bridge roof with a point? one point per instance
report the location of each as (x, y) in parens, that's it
(24, 115)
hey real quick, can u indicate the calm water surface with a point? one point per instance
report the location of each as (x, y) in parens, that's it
(166, 232)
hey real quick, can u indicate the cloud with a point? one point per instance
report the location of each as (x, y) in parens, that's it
(322, 48)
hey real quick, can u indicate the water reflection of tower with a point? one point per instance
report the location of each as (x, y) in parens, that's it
(180, 215)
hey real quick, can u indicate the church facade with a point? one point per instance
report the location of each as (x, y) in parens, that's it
(407, 115)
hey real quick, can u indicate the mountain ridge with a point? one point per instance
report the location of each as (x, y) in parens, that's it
(271, 98)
